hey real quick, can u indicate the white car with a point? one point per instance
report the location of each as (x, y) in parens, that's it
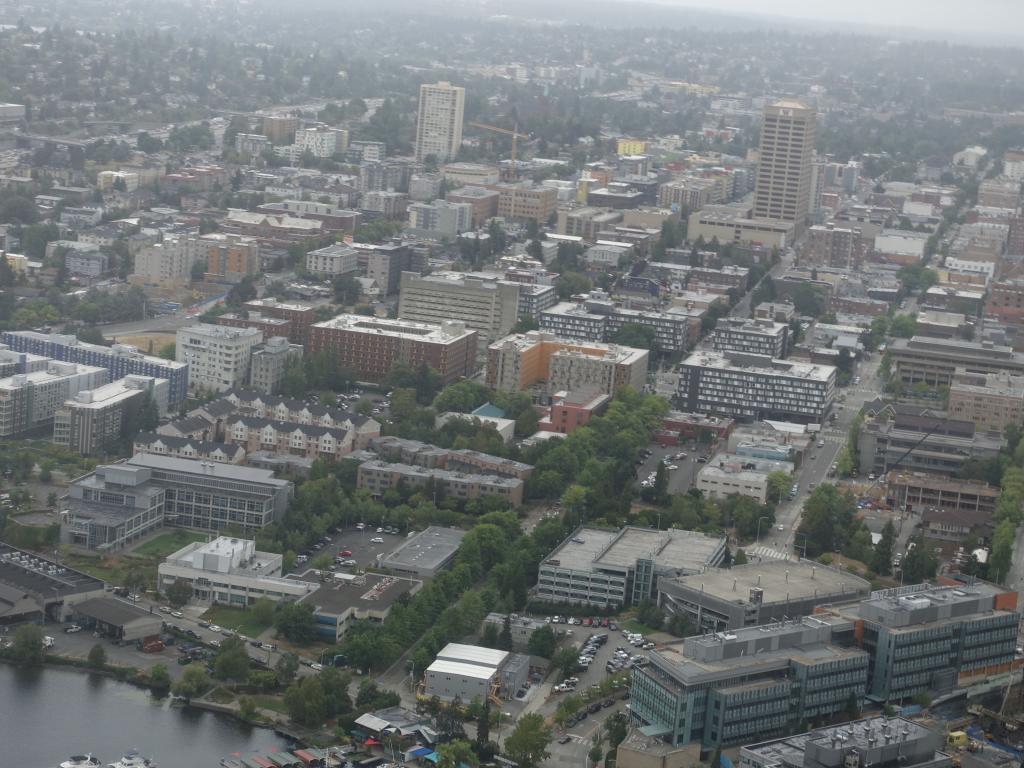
(377, 540)
(214, 628)
(781, 527)
(672, 466)
(316, 666)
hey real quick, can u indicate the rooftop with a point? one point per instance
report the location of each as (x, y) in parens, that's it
(118, 390)
(672, 550)
(780, 581)
(54, 371)
(192, 466)
(760, 364)
(39, 576)
(358, 591)
(473, 654)
(219, 331)
(429, 549)
(111, 611)
(403, 329)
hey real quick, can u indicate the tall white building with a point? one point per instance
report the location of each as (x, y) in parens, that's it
(783, 187)
(336, 259)
(321, 140)
(218, 356)
(29, 401)
(439, 122)
(441, 218)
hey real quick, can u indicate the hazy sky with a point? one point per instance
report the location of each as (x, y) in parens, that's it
(1004, 18)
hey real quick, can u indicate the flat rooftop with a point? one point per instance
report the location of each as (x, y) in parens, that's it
(760, 364)
(110, 393)
(781, 581)
(218, 331)
(41, 577)
(210, 469)
(429, 549)
(402, 329)
(682, 551)
(473, 654)
(362, 592)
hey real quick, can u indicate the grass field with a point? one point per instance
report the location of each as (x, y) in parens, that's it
(238, 619)
(273, 703)
(167, 543)
(111, 569)
(635, 626)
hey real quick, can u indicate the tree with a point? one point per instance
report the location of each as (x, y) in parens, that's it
(263, 611)
(807, 300)
(903, 326)
(920, 564)
(635, 335)
(679, 624)
(247, 709)
(489, 637)
(483, 724)
(287, 667)
(565, 661)
(740, 558)
(659, 491)
(232, 661)
(505, 638)
(852, 707)
(27, 645)
(881, 558)
(160, 678)
(596, 753)
(179, 593)
(778, 485)
(456, 753)
(305, 702)
(1002, 550)
(527, 745)
(649, 614)
(295, 622)
(542, 642)
(97, 658)
(191, 683)
(167, 351)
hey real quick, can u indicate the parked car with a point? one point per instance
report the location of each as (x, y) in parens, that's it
(177, 614)
(72, 629)
(377, 540)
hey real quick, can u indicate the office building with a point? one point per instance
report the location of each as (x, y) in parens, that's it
(424, 187)
(725, 599)
(384, 263)
(230, 571)
(371, 347)
(93, 420)
(586, 221)
(424, 555)
(754, 337)
(878, 741)
(218, 356)
(29, 401)
(783, 186)
(905, 437)
(344, 598)
(538, 359)
(378, 476)
(483, 202)
(473, 174)
(728, 688)
(120, 360)
(756, 387)
(269, 362)
(321, 140)
(610, 569)
(731, 225)
(334, 260)
(525, 202)
(112, 507)
(990, 401)
(299, 316)
(924, 638)
(204, 495)
(951, 510)
(486, 304)
(439, 121)
(743, 475)
(440, 219)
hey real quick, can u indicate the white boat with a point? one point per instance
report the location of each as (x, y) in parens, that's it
(132, 759)
(81, 761)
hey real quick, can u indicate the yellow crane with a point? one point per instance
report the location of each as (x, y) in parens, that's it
(514, 133)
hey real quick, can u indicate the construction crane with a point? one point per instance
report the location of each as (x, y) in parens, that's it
(514, 133)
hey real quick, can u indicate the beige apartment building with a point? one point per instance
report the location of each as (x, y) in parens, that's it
(439, 121)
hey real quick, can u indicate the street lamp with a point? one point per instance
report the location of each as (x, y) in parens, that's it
(757, 538)
(803, 554)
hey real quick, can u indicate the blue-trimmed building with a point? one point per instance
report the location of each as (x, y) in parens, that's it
(120, 359)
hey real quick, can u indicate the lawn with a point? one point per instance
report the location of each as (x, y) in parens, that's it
(635, 626)
(221, 696)
(111, 569)
(238, 619)
(273, 703)
(168, 543)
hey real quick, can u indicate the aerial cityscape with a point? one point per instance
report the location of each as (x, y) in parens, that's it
(615, 385)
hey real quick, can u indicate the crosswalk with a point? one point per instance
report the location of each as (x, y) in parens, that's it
(763, 552)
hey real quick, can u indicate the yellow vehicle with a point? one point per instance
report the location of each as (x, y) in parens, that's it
(957, 739)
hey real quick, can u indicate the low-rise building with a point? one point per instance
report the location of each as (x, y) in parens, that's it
(187, 448)
(288, 438)
(951, 510)
(599, 319)
(299, 316)
(340, 599)
(755, 387)
(569, 410)
(378, 476)
(729, 474)
(334, 260)
(424, 555)
(732, 226)
(468, 672)
(230, 571)
(609, 569)
(521, 627)
(724, 599)
(934, 361)
(37, 588)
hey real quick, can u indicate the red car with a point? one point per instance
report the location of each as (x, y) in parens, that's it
(345, 553)
(586, 622)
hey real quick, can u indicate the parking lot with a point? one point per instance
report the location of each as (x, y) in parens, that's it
(360, 543)
(679, 480)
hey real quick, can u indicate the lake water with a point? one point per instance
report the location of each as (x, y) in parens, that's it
(47, 715)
